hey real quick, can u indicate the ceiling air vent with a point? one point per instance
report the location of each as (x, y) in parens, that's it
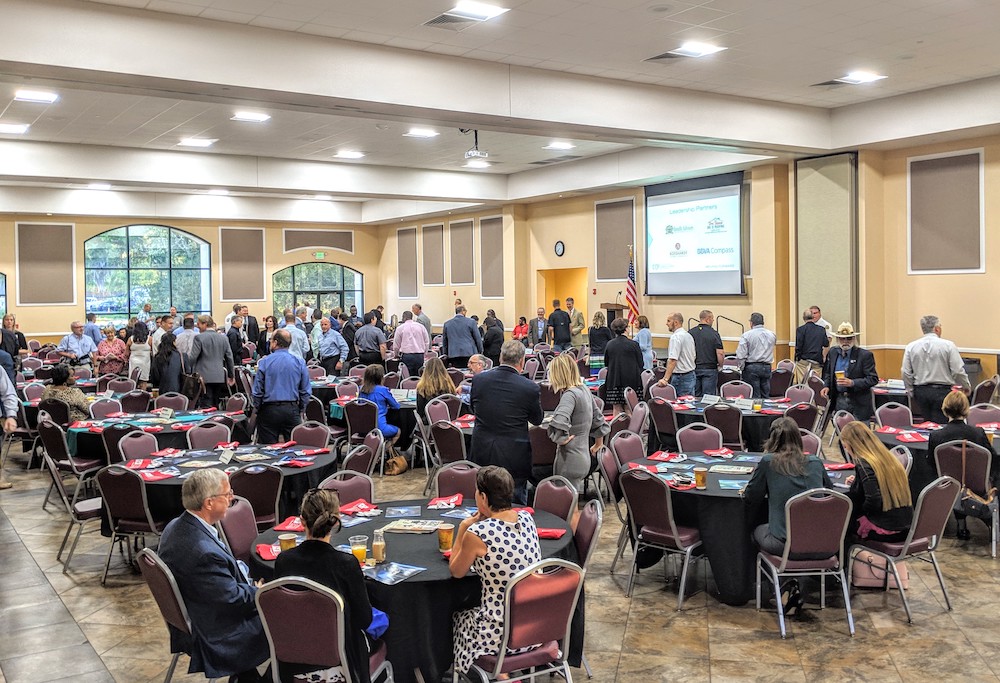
(555, 160)
(828, 84)
(666, 56)
(451, 22)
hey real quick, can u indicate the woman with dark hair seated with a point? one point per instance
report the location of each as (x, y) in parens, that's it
(62, 387)
(499, 542)
(317, 560)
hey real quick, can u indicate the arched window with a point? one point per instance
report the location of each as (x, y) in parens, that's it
(131, 266)
(326, 285)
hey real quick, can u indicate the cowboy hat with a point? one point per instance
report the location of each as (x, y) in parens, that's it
(845, 330)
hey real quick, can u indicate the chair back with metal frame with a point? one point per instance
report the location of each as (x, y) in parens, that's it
(800, 393)
(33, 391)
(391, 380)
(666, 392)
(80, 512)
(358, 371)
(602, 373)
(347, 389)
(531, 368)
(811, 444)
(728, 419)
(457, 375)
(103, 407)
(57, 409)
(984, 391)
(804, 415)
(781, 380)
(631, 399)
(664, 423)
(127, 506)
(361, 417)
(311, 433)
(206, 435)
(627, 447)
(171, 400)
(103, 381)
(449, 442)
(82, 373)
(31, 363)
(53, 440)
(376, 444)
(237, 402)
(543, 449)
(43, 373)
(135, 444)
(894, 414)
(350, 486)
(841, 418)
(548, 398)
(785, 364)
(557, 495)
(456, 477)
(409, 383)
(619, 423)
(317, 372)
(736, 388)
(121, 386)
(113, 434)
(903, 455)
(239, 528)
(261, 485)
(136, 401)
(315, 410)
(168, 598)
(639, 421)
(698, 436)
(360, 459)
(983, 413)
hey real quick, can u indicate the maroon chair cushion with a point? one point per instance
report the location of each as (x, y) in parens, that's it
(377, 657)
(828, 563)
(80, 464)
(919, 545)
(544, 654)
(137, 526)
(685, 536)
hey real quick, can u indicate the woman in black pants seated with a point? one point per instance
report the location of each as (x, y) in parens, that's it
(883, 508)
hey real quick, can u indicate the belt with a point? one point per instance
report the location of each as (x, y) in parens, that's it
(678, 374)
(757, 362)
(707, 366)
(935, 385)
(280, 403)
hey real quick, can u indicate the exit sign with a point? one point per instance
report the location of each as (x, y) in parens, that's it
(319, 254)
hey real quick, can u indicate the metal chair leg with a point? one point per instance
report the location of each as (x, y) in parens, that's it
(586, 666)
(847, 600)
(72, 549)
(776, 580)
(107, 563)
(170, 669)
(940, 578)
(902, 591)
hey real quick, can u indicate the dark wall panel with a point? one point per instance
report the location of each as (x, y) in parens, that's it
(242, 257)
(406, 261)
(433, 244)
(614, 233)
(463, 267)
(45, 264)
(491, 256)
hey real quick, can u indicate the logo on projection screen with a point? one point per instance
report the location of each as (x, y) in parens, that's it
(716, 225)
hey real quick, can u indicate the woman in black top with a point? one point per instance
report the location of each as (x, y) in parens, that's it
(624, 361)
(435, 381)
(598, 337)
(264, 340)
(883, 508)
(492, 340)
(166, 369)
(317, 560)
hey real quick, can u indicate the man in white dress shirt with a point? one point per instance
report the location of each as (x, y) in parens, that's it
(931, 366)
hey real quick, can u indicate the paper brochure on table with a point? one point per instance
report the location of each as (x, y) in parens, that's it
(392, 573)
(402, 511)
(412, 526)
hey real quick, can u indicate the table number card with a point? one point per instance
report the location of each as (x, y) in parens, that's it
(166, 413)
(744, 403)
(709, 399)
(226, 456)
(110, 393)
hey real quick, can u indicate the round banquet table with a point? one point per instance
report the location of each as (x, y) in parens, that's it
(923, 470)
(90, 444)
(420, 608)
(725, 520)
(756, 425)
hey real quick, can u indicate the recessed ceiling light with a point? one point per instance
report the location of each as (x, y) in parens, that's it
(250, 116)
(323, 197)
(693, 48)
(197, 142)
(859, 77)
(349, 154)
(36, 96)
(99, 186)
(14, 128)
(477, 11)
(421, 133)
(559, 145)
(477, 163)
(218, 191)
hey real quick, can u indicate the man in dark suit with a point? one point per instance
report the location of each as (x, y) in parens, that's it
(504, 403)
(212, 358)
(250, 325)
(234, 335)
(851, 390)
(538, 329)
(227, 638)
(460, 339)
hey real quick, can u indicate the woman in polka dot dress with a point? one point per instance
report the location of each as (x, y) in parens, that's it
(498, 542)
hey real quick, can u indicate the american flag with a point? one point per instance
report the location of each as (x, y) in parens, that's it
(631, 298)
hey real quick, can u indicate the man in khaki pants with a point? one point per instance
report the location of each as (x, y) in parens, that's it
(811, 344)
(577, 323)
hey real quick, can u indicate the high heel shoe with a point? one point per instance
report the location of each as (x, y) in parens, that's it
(792, 604)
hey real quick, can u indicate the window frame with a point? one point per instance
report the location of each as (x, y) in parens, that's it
(360, 291)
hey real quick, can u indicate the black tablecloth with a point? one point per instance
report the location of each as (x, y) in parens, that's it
(756, 426)
(91, 445)
(420, 609)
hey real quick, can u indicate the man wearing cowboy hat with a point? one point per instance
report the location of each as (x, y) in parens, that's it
(849, 374)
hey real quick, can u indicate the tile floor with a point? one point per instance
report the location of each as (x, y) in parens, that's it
(56, 626)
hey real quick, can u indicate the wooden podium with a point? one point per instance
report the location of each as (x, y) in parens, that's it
(614, 311)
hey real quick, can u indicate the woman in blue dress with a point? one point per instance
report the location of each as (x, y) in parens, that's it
(644, 338)
(372, 390)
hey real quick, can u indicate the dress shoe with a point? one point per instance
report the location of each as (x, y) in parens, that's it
(963, 534)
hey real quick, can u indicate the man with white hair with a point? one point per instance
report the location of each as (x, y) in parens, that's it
(931, 366)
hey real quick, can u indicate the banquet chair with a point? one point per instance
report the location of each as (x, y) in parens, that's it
(800, 393)
(786, 364)
(80, 512)
(610, 474)
(903, 455)
(171, 400)
(602, 373)
(443, 408)
(811, 444)
(127, 506)
(531, 368)
(627, 447)
(894, 414)
(311, 433)
(135, 444)
(639, 421)
(53, 440)
(315, 410)
(664, 423)
(667, 392)
(548, 398)
(646, 377)
(33, 391)
(350, 486)
(539, 602)
(112, 434)
(57, 410)
(449, 441)
(805, 415)
(135, 401)
(618, 424)
(52, 358)
(984, 391)
(361, 459)
(970, 464)
(103, 407)
(409, 383)
(391, 380)
(736, 388)
(43, 373)
(652, 525)
(930, 516)
(727, 375)
(239, 529)
(698, 436)
(583, 367)
(631, 399)
(229, 422)
(236, 402)
(840, 420)
(22, 432)
(556, 495)
(781, 380)
(261, 485)
(983, 413)
(456, 477)
(316, 372)
(121, 386)
(81, 372)
(727, 419)
(816, 521)
(31, 363)
(135, 374)
(543, 453)
(304, 624)
(207, 435)
(376, 444)
(358, 371)
(457, 375)
(103, 381)
(361, 417)
(168, 599)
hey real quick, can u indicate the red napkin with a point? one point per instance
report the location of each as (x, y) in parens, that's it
(228, 444)
(277, 446)
(296, 463)
(96, 430)
(718, 451)
(235, 412)
(268, 552)
(154, 475)
(247, 361)
(880, 391)
(664, 457)
(610, 418)
(80, 424)
(355, 506)
(771, 411)
(35, 402)
(681, 487)
(119, 413)
(681, 406)
(181, 426)
(139, 464)
(912, 437)
(152, 428)
(205, 411)
(344, 400)
(291, 524)
(886, 429)
(453, 500)
(639, 466)
(446, 555)
(989, 425)
(551, 533)
(167, 451)
(687, 397)
(928, 425)
(315, 451)
(783, 399)
(465, 418)
(529, 510)
(839, 465)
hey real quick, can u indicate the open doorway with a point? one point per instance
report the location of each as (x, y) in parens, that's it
(563, 283)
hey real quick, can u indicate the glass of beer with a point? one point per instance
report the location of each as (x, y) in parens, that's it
(446, 536)
(359, 548)
(701, 478)
(839, 374)
(286, 541)
(378, 546)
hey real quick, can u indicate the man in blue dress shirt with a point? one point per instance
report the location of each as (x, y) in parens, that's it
(92, 330)
(332, 349)
(281, 390)
(76, 347)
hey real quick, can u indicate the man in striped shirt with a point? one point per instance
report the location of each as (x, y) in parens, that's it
(755, 353)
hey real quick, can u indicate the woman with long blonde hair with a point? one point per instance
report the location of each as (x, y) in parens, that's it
(883, 508)
(574, 421)
(435, 381)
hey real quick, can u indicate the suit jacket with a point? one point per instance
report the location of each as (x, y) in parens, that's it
(226, 634)
(461, 337)
(504, 403)
(533, 337)
(577, 325)
(860, 368)
(212, 357)
(235, 340)
(252, 328)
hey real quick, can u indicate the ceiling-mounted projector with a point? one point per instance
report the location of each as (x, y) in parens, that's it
(475, 152)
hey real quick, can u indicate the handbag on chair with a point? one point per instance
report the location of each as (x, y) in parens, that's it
(191, 383)
(971, 503)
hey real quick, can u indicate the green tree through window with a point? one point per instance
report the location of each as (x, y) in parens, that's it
(323, 285)
(128, 267)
